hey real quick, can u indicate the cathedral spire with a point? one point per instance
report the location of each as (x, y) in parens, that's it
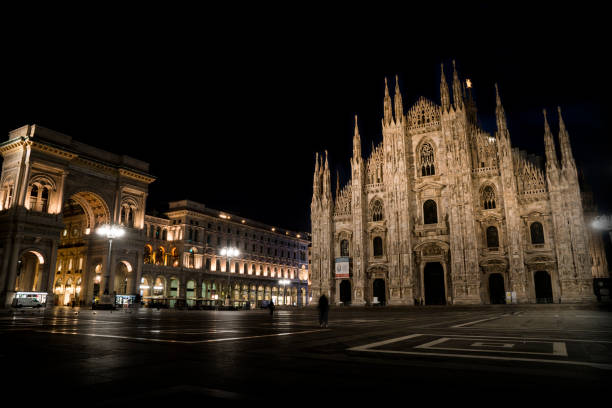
(500, 114)
(444, 93)
(316, 179)
(356, 142)
(457, 91)
(388, 107)
(564, 143)
(399, 107)
(326, 179)
(337, 184)
(549, 145)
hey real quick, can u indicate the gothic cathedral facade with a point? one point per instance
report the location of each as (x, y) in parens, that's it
(444, 213)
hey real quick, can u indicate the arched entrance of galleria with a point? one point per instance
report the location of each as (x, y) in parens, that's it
(50, 207)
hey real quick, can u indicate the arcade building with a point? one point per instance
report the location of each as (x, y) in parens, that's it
(56, 193)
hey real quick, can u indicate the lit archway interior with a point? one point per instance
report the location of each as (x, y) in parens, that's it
(29, 272)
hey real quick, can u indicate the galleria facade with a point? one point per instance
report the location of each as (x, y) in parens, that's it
(443, 212)
(56, 192)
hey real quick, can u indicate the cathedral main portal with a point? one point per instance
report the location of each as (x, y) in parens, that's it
(433, 277)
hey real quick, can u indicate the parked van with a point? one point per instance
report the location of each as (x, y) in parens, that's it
(26, 302)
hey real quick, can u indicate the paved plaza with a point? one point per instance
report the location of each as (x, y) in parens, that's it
(130, 356)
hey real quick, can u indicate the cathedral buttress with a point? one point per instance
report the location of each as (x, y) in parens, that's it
(580, 284)
(517, 278)
(359, 213)
(461, 219)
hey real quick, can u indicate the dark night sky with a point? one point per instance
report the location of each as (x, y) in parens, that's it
(229, 108)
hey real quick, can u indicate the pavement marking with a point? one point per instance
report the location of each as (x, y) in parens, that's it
(484, 344)
(179, 341)
(518, 338)
(474, 356)
(522, 329)
(366, 347)
(477, 321)
(559, 348)
(453, 321)
(369, 348)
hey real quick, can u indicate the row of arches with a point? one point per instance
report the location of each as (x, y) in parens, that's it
(215, 291)
(215, 264)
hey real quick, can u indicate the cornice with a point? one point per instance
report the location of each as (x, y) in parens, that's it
(136, 176)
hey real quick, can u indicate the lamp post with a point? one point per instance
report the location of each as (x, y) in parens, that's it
(229, 253)
(110, 232)
(284, 282)
(603, 223)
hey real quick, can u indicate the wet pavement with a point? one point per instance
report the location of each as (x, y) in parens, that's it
(436, 354)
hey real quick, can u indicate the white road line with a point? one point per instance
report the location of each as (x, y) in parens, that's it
(560, 349)
(382, 343)
(516, 338)
(179, 341)
(433, 343)
(532, 360)
(537, 330)
(476, 321)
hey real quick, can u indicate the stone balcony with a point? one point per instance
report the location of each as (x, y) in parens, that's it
(425, 230)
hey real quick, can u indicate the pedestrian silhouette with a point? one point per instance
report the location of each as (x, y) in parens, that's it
(323, 311)
(271, 307)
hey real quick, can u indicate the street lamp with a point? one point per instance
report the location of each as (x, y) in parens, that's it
(603, 223)
(284, 282)
(110, 232)
(229, 253)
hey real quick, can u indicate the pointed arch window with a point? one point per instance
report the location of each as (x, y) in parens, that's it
(426, 155)
(430, 212)
(377, 211)
(344, 248)
(488, 198)
(492, 237)
(537, 233)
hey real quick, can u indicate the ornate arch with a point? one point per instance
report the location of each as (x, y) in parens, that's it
(43, 180)
(376, 209)
(488, 196)
(36, 252)
(95, 207)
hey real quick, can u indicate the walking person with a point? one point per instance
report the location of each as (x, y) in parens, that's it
(323, 311)
(271, 307)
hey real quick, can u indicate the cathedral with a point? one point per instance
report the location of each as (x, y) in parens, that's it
(443, 212)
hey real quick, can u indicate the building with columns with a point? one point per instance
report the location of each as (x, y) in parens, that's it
(184, 262)
(54, 194)
(444, 212)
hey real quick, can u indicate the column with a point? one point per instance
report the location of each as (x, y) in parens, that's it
(446, 293)
(137, 270)
(9, 289)
(48, 283)
(8, 245)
